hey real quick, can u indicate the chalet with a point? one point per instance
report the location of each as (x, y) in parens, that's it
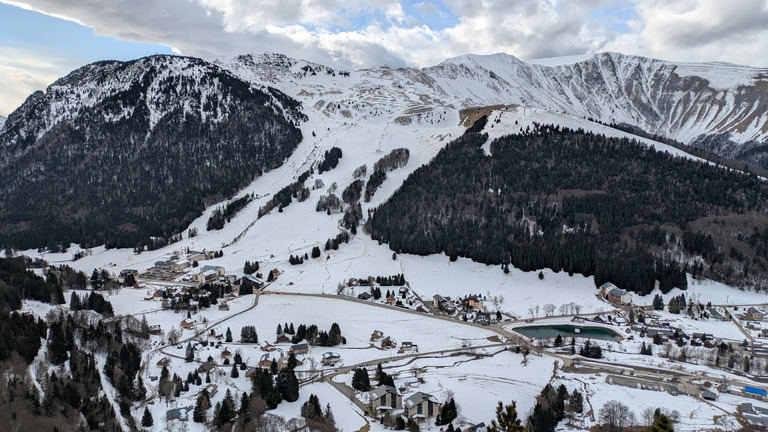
(376, 335)
(753, 313)
(181, 414)
(600, 319)
(754, 325)
(385, 398)
(268, 347)
(165, 361)
(437, 299)
(188, 324)
(266, 360)
(409, 346)
(472, 301)
(252, 281)
(283, 338)
(155, 329)
(420, 308)
(364, 296)
(709, 395)
(420, 406)
(140, 285)
(217, 270)
(149, 297)
(163, 264)
(275, 273)
(353, 282)
(300, 349)
(197, 256)
(126, 272)
(226, 353)
(390, 300)
(443, 303)
(403, 290)
(206, 367)
(223, 306)
(716, 314)
(483, 318)
(205, 276)
(703, 336)
(331, 359)
(618, 296)
(251, 372)
(388, 342)
(764, 332)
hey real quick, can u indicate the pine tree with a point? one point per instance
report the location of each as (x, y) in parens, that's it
(190, 354)
(146, 419)
(287, 385)
(360, 380)
(74, 302)
(202, 405)
(235, 373)
(506, 419)
(228, 337)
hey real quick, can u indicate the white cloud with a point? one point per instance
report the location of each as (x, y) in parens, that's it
(334, 31)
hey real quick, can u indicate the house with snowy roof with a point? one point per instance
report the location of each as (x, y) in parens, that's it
(421, 406)
(384, 398)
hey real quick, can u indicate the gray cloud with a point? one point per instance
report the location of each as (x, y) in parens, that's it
(689, 30)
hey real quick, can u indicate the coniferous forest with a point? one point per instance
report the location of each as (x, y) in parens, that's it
(574, 201)
(143, 162)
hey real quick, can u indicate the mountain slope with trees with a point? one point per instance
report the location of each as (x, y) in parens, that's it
(575, 201)
(127, 154)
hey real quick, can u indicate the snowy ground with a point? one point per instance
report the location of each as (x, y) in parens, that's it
(478, 384)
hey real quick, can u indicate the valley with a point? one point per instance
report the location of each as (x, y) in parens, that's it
(314, 266)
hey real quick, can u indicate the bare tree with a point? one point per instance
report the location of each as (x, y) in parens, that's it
(576, 308)
(616, 416)
(531, 310)
(549, 309)
(564, 309)
(537, 310)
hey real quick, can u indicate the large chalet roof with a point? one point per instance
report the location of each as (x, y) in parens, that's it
(382, 390)
(418, 398)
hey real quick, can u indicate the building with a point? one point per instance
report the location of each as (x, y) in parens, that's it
(188, 324)
(472, 301)
(266, 360)
(223, 306)
(376, 335)
(299, 349)
(615, 295)
(420, 406)
(206, 367)
(165, 361)
(754, 313)
(331, 359)
(283, 338)
(409, 346)
(155, 329)
(364, 296)
(181, 414)
(709, 395)
(384, 398)
(388, 342)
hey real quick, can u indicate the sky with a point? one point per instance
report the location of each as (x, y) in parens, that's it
(42, 40)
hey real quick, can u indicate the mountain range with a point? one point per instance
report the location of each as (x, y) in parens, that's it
(127, 154)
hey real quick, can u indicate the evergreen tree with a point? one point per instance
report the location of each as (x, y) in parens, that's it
(228, 337)
(235, 373)
(448, 414)
(190, 354)
(506, 419)
(360, 380)
(201, 406)
(146, 419)
(74, 302)
(576, 401)
(287, 385)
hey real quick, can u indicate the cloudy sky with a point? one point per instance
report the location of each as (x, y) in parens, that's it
(41, 40)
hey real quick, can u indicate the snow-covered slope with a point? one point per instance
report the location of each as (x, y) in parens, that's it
(688, 102)
(2, 122)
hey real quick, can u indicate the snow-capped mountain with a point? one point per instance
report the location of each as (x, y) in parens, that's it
(112, 143)
(718, 106)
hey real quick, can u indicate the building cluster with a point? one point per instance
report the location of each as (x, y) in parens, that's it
(419, 406)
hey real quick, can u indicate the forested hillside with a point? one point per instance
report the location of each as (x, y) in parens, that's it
(582, 203)
(118, 153)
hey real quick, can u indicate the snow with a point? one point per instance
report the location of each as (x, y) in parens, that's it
(382, 109)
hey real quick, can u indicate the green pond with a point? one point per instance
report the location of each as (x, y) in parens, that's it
(565, 330)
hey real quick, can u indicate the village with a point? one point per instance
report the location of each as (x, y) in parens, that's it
(697, 335)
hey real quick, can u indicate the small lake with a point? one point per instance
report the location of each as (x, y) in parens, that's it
(567, 330)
